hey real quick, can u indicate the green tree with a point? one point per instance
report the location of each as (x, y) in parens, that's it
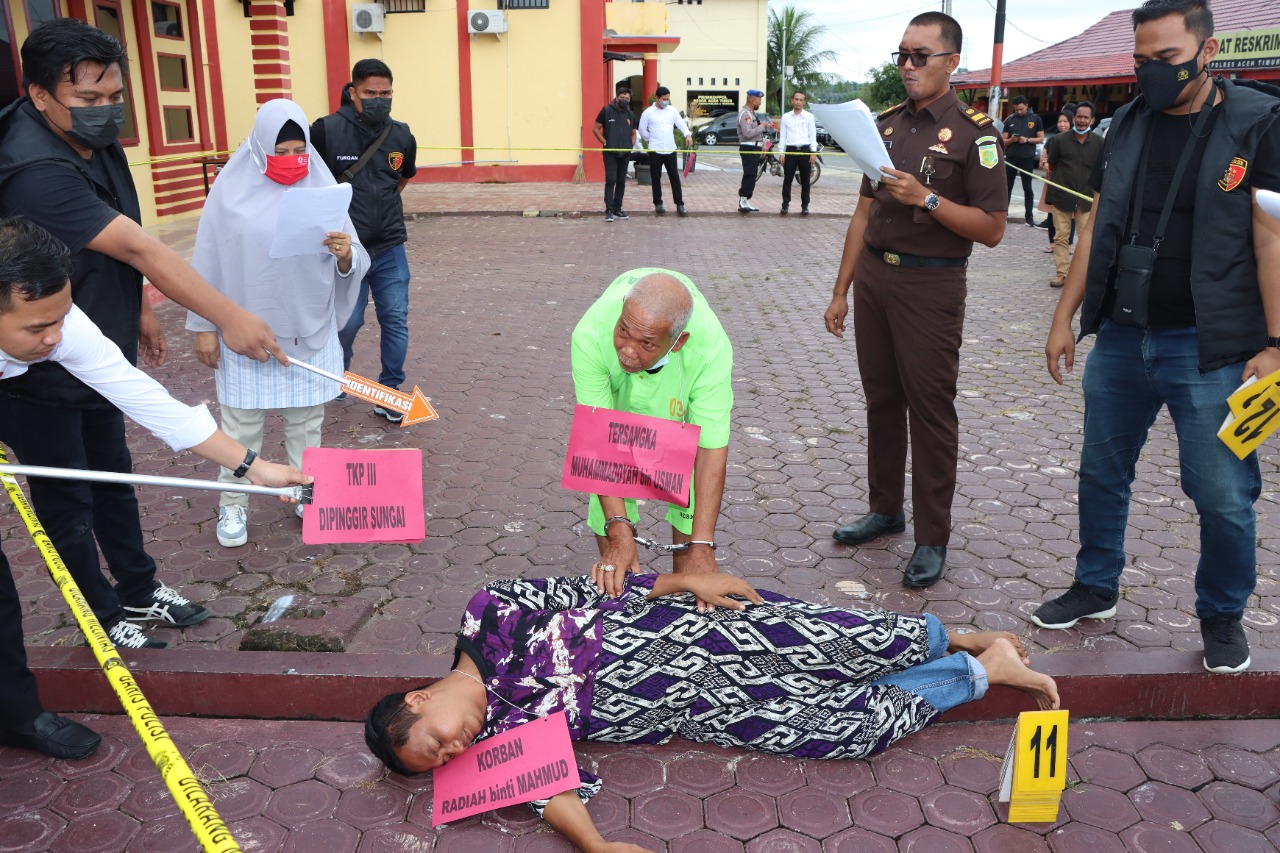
(884, 87)
(801, 52)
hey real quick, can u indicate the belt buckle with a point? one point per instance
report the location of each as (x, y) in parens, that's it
(892, 259)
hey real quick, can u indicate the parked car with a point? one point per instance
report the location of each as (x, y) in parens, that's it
(720, 129)
(824, 136)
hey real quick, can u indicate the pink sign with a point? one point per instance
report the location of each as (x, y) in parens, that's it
(533, 761)
(624, 455)
(364, 496)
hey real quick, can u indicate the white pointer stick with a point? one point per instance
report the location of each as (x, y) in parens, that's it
(341, 380)
(302, 494)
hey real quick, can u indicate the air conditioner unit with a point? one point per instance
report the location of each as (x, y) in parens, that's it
(484, 22)
(366, 18)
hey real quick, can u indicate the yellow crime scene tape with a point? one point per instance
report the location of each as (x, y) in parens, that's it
(580, 150)
(186, 789)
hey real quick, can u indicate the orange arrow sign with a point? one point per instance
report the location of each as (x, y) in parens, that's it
(415, 408)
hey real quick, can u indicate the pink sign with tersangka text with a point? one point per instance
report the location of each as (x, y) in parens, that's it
(624, 455)
(533, 761)
(364, 496)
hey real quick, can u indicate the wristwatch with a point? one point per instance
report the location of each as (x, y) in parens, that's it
(1273, 343)
(249, 456)
(931, 202)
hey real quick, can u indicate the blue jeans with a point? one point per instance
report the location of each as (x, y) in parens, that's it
(1129, 375)
(943, 680)
(388, 281)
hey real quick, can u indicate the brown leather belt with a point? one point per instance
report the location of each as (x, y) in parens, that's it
(899, 259)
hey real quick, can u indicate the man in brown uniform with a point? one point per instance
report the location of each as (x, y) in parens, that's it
(905, 255)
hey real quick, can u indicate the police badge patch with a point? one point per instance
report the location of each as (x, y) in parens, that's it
(395, 160)
(1234, 174)
(987, 154)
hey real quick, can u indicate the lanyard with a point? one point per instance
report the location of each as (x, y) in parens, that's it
(1203, 119)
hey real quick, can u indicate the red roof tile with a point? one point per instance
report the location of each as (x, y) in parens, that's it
(1103, 52)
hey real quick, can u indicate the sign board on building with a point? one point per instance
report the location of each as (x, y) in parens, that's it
(702, 102)
(1248, 49)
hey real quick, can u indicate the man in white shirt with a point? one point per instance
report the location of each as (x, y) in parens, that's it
(799, 135)
(39, 323)
(657, 128)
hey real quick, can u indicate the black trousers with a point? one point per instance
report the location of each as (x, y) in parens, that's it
(82, 517)
(615, 180)
(656, 162)
(750, 169)
(789, 166)
(19, 701)
(1028, 164)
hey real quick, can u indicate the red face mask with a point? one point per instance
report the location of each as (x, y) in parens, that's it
(288, 169)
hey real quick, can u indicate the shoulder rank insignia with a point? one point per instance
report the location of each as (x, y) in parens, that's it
(884, 114)
(980, 119)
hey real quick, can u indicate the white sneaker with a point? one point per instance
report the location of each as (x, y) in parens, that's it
(126, 635)
(233, 526)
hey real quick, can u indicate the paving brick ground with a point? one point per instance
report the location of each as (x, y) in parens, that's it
(493, 299)
(311, 787)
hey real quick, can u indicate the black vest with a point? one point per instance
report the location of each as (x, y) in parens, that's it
(377, 210)
(1224, 271)
(108, 291)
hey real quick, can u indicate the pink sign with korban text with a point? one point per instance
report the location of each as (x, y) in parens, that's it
(624, 455)
(533, 761)
(364, 496)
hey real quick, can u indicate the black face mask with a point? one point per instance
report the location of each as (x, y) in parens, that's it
(95, 127)
(375, 111)
(1161, 82)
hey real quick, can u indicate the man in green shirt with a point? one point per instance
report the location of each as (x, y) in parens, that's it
(651, 345)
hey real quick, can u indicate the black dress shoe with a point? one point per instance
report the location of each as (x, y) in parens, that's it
(870, 526)
(925, 566)
(659, 210)
(783, 212)
(804, 211)
(680, 210)
(54, 736)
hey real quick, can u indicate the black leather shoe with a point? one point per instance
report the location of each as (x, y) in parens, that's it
(54, 736)
(659, 210)
(870, 526)
(680, 210)
(783, 212)
(804, 211)
(925, 566)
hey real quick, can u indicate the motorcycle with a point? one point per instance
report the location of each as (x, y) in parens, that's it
(773, 164)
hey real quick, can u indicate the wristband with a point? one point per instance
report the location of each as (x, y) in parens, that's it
(249, 456)
(708, 542)
(611, 519)
(1273, 343)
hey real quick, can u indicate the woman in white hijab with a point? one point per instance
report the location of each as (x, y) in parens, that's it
(300, 297)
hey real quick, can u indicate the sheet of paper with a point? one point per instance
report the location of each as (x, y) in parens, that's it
(1270, 202)
(853, 128)
(306, 215)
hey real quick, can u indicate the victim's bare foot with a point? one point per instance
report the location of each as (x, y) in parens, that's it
(978, 642)
(1004, 666)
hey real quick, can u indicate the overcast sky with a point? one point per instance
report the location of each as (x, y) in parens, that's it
(863, 34)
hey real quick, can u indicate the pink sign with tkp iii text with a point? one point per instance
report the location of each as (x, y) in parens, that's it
(624, 455)
(533, 761)
(363, 496)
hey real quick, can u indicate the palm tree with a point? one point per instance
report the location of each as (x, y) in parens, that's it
(791, 33)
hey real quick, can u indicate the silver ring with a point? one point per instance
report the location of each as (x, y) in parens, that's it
(608, 568)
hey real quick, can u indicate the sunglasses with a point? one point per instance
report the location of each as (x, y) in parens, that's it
(918, 59)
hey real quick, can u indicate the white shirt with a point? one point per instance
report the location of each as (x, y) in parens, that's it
(89, 356)
(798, 130)
(657, 128)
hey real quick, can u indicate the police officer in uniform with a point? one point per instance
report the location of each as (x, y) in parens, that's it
(905, 255)
(751, 130)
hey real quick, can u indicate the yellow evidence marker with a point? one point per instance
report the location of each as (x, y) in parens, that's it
(1254, 415)
(1034, 772)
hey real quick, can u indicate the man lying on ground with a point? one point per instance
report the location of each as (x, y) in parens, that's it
(751, 669)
